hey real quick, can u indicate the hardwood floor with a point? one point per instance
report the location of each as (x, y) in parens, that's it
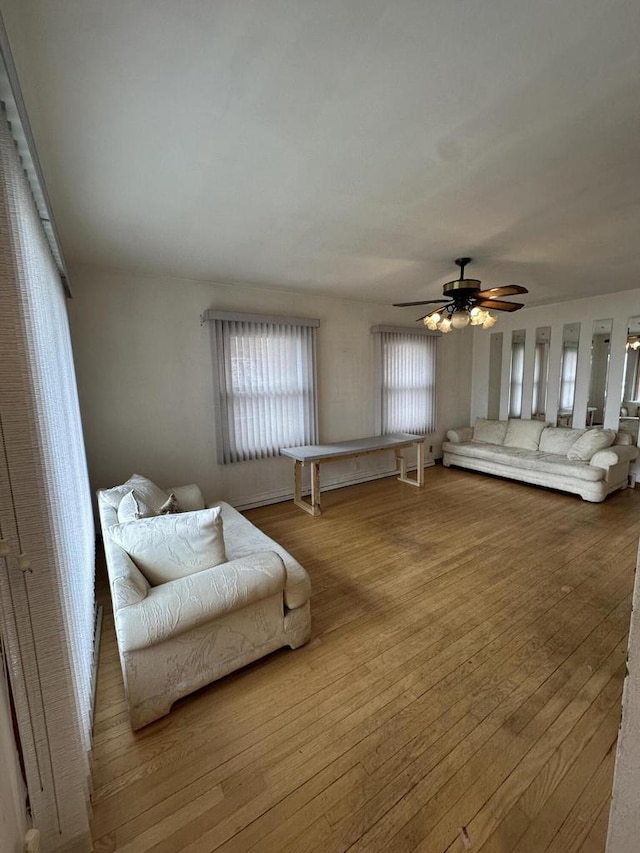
(462, 687)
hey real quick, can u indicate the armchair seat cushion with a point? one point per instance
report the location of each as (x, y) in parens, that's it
(244, 538)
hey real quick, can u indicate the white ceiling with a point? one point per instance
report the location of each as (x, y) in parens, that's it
(349, 147)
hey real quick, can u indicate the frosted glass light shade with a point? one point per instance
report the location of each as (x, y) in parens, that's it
(460, 318)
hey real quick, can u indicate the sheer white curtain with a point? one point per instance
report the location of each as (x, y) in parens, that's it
(517, 379)
(46, 521)
(265, 384)
(568, 377)
(406, 379)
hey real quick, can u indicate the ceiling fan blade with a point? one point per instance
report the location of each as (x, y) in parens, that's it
(498, 305)
(506, 290)
(409, 304)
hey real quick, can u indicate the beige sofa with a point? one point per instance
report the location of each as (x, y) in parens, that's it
(590, 463)
(180, 635)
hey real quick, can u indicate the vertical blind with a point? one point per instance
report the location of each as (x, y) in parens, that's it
(406, 370)
(264, 372)
(46, 521)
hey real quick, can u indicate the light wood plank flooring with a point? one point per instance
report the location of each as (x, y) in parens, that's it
(462, 687)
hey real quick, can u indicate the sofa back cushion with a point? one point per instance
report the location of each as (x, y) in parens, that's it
(523, 433)
(168, 547)
(489, 432)
(589, 443)
(559, 440)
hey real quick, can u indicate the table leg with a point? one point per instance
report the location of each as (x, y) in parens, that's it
(312, 508)
(315, 487)
(402, 465)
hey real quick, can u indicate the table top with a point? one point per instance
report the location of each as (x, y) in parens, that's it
(318, 452)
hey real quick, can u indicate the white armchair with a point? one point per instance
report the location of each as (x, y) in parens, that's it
(178, 636)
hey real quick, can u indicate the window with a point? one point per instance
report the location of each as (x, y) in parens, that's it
(517, 374)
(405, 378)
(264, 377)
(568, 376)
(540, 368)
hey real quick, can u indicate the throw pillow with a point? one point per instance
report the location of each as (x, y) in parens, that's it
(168, 547)
(489, 432)
(170, 506)
(559, 440)
(145, 489)
(589, 443)
(133, 508)
(524, 433)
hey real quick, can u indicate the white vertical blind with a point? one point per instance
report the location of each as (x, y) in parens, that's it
(47, 574)
(406, 381)
(568, 377)
(265, 386)
(517, 379)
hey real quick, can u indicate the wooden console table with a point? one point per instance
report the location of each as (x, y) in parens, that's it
(315, 454)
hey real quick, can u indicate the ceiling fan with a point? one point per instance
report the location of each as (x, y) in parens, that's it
(467, 303)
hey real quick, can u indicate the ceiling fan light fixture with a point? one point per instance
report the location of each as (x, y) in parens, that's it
(431, 321)
(477, 316)
(489, 321)
(445, 325)
(460, 318)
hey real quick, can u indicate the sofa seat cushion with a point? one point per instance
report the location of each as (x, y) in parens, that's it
(530, 460)
(243, 539)
(524, 433)
(559, 440)
(168, 547)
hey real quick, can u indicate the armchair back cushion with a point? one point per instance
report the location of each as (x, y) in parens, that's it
(146, 491)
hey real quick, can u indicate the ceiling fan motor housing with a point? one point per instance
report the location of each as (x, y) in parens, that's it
(461, 291)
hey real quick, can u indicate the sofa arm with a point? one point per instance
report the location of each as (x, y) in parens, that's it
(613, 456)
(460, 434)
(189, 497)
(172, 608)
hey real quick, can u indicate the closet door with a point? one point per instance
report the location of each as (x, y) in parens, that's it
(46, 523)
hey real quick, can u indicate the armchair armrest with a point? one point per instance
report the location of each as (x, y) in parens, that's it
(460, 434)
(613, 455)
(172, 608)
(189, 497)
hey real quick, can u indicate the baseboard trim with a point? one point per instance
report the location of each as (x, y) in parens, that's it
(340, 482)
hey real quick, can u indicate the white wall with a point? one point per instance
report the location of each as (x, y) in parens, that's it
(145, 380)
(617, 307)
